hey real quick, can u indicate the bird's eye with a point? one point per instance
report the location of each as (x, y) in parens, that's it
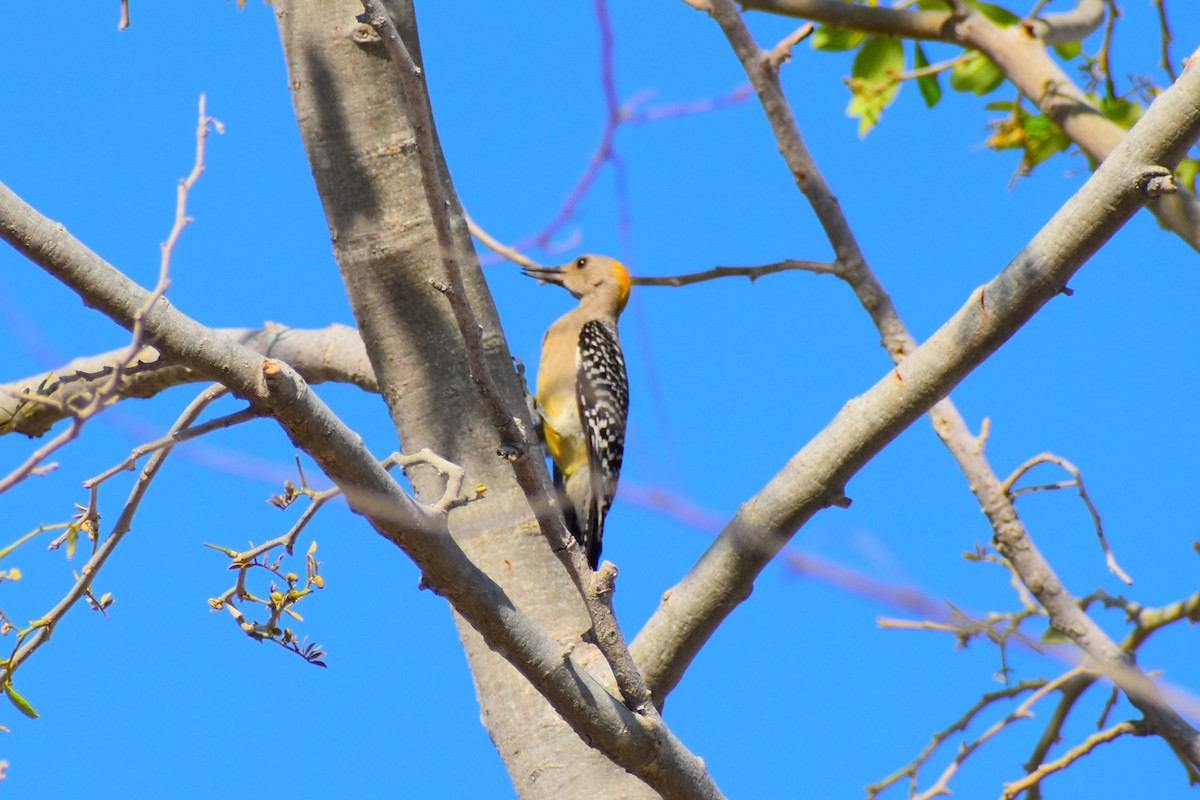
(581, 262)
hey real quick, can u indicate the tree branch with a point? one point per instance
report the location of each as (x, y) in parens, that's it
(1020, 53)
(276, 391)
(32, 405)
(1062, 28)
(595, 588)
(814, 477)
(39, 632)
(1129, 727)
(753, 273)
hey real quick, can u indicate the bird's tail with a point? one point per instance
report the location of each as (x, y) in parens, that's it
(582, 514)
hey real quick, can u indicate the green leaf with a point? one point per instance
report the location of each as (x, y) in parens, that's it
(877, 57)
(866, 108)
(219, 549)
(931, 90)
(1055, 636)
(72, 540)
(1122, 112)
(836, 39)
(1001, 16)
(873, 80)
(1043, 139)
(19, 702)
(1069, 50)
(1038, 137)
(979, 76)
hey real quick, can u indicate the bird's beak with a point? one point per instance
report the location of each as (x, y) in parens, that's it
(545, 274)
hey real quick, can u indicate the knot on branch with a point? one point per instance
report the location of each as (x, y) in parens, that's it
(280, 382)
(511, 452)
(363, 33)
(1157, 181)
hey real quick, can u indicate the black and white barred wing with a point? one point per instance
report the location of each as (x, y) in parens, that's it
(603, 392)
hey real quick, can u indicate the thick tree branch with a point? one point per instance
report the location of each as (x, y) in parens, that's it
(948, 422)
(271, 387)
(815, 476)
(1020, 53)
(1062, 28)
(595, 588)
(333, 354)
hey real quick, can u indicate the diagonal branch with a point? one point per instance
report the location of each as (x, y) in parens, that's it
(275, 390)
(595, 588)
(31, 406)
(1020, 53)
(39, 633)
(1062, 28)
(813, 479)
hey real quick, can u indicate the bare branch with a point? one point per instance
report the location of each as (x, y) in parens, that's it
(1127, 728)
(753, 273)
(1165, 39)
(595, 588)
(1071, 26)
(32, 405)
(30, 465)
(1137, 171)
(453, 474)
(39, 632)
(1076, 481)
(495, 245)
(1020, 53)
(173, 438)
(1022, 711)
(369, 489)
(911, 770)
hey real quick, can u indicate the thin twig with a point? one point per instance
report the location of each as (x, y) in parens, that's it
(1104, 58)
(41, 454)
(665, 646)
(753, 273)
(1022, 711)
(617, 114)
(635, 114)
(960, 725)
(6, 551)
(495, 245)
(453, 474)
(1127, 728)
(83, 408)
(1068, 696)
(39, 631)
(1076, 481)
(1165, 38)
(172, 439)
(782, 52)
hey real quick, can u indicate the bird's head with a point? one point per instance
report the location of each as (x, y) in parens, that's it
(589, 275)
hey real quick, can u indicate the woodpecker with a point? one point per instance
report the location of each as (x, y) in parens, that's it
(583, 392)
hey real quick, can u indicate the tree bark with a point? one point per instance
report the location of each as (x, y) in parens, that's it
(361, 148)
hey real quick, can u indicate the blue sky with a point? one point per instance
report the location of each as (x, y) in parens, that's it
(729, 379)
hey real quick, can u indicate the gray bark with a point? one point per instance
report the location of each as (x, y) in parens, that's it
(361, 149)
